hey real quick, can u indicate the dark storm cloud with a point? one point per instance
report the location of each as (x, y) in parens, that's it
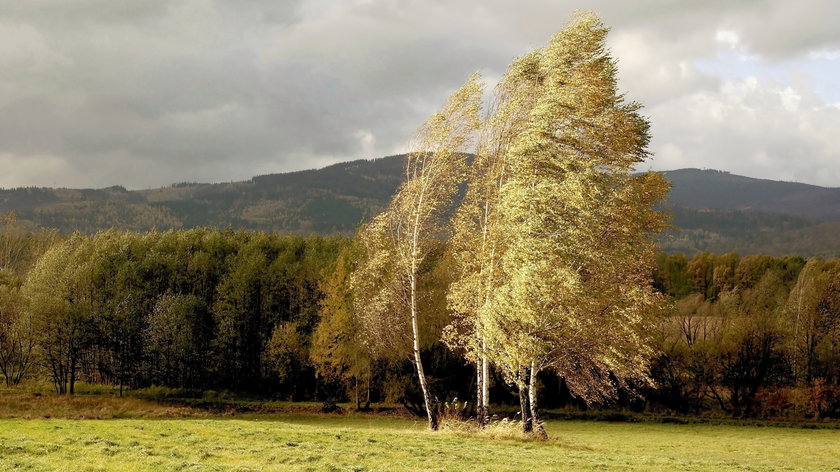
(102, 92)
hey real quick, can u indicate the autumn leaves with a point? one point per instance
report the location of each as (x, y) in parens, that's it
(552, 242)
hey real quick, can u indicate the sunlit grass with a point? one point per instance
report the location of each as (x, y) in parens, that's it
(32, 406)
(368, 443)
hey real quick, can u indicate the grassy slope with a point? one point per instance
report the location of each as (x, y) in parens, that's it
(358, 443)
(28, 406)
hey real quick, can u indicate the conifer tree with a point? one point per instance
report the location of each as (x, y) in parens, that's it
(338, 350)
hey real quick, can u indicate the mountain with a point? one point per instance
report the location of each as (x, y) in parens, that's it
(711, 210)
(748, 232)
(334, 199)
(720, 212)
(718, 190)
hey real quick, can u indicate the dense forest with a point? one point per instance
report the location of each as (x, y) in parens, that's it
(753, 335)
(262, 314)
(192, 309)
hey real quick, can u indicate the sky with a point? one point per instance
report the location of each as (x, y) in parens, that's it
(95, 93)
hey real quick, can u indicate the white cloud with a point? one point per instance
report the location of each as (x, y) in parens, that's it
(790, 99)
(367, 143)
(825, 55)
(753, 127)
(729, 38)
(40, 170)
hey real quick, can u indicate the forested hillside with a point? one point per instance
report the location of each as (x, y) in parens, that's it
(724, 191)
(721, 212)
(335, 199)
(712, 210)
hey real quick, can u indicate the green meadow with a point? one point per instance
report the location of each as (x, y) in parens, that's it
(369, 443)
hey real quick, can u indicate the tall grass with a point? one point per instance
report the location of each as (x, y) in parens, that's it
(37, 405)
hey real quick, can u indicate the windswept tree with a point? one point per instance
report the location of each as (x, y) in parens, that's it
(479, 241)
(397, 242)
(578, 227)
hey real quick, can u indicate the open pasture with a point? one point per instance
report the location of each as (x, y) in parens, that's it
(368, 443)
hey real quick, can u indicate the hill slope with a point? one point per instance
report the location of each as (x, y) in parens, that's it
(712, 210)
(721, 212)
(334, 199)
(724, 191)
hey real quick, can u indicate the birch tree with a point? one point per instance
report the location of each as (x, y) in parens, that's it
(397, 242)
(578, 227)
(478, 241)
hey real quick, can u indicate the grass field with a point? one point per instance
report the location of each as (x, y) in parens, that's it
(367, 443)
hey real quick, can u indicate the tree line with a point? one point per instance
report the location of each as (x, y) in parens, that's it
(200, 309)
(267, 314)
(188, 309)
(752, 335)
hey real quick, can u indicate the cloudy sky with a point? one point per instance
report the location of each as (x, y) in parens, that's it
(146, 93)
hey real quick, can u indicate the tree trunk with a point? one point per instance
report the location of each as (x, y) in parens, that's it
(431, 414)
(479, 399)
(356, 388)
(485, 386)
(73, 376)
(367, 402)
(524, 405)
(537, 425)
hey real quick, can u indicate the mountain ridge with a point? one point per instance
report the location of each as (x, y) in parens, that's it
(725, 191)
(713, 210)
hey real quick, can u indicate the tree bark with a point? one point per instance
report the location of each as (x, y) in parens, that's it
(73, 376)
(479, 405)
(431, 414)
(485, 386)
(537, 425)
(367, 400)
(524, 404)
(356, 387)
